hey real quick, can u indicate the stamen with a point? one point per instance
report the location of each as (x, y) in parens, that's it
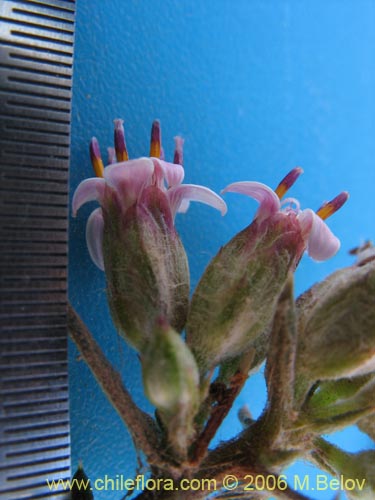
(155, 147)
(96, 158)
(288, 181)
(178, 151)
(120, 145)
(330, 207)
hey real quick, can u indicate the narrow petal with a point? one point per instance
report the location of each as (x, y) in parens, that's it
(322, 243)
(191, 192)
(268, 199)
(173, 174)
(306, 220)
(89, 190)
(184, 206)
(158, 178)
(94, 237)
(130, 177)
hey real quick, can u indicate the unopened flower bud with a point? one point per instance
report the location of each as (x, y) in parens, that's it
(337, 325)
(171, 382)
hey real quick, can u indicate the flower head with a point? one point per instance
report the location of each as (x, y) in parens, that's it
(321, 243)
(236, 298)
(132, 235)
(129, 182)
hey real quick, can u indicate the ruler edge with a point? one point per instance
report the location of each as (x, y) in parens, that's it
(32, 3)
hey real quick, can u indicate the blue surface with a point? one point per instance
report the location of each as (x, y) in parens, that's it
(255, 88)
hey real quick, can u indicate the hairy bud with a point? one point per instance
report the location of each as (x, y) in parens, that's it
(146, 268)
(171, 382)
(237, 296)
(337, 325)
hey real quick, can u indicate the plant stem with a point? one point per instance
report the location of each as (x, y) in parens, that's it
(219, 412)
(280, 364)
(139, 423)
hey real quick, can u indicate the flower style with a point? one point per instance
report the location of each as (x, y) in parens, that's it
(132, 235)
(321, 243)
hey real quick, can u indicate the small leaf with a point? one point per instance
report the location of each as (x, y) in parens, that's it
(356, 470)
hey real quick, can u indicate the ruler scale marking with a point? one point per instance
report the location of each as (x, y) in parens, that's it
(36, 38)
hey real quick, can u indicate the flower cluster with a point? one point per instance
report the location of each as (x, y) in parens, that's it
(319, 349)
(132, 237)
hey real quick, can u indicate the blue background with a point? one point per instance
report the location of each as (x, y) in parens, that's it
(255, 88)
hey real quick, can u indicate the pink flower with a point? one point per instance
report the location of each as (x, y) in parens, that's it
(133, 238)
(132, 182)
(236, 299)
(321, 243)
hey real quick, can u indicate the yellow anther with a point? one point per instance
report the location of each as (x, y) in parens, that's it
(98, 167)
(288, 181)
(330, 207)
(155, 147)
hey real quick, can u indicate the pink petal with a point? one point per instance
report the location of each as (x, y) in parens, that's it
(129, 178)
(94, 237)
(322, 243)
(173, 173)
(184, 206)
(306, 220)
(89, 190)
(159, 176)
(268, 199)
(179, 195)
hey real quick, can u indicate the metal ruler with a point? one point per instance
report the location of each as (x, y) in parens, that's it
(36, 43)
